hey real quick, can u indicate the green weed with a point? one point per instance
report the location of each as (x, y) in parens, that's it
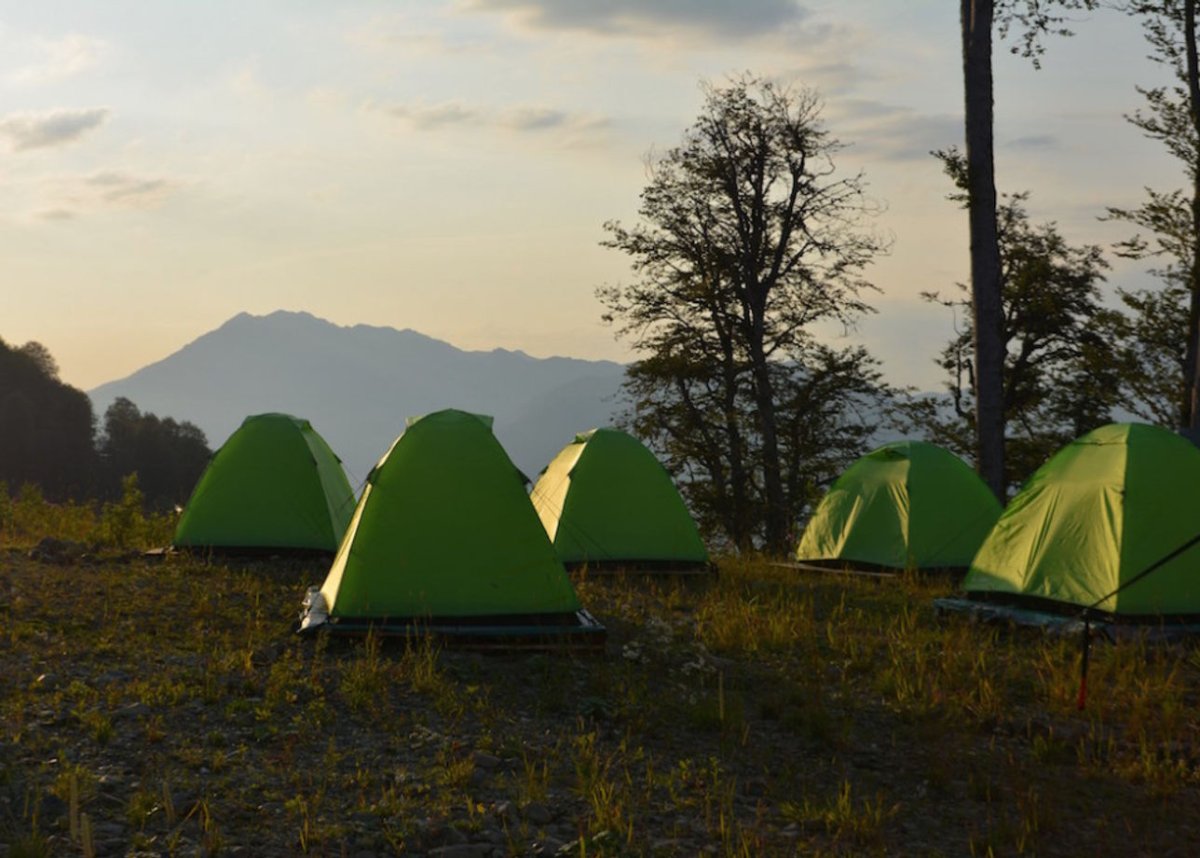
(842, 817)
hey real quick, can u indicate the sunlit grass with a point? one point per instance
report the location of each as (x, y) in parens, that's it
(27, 518)
(760, 712)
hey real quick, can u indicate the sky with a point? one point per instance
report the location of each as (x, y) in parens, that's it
(448, 165)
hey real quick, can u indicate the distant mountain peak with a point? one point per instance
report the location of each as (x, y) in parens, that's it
(357, 384)
(277, 317)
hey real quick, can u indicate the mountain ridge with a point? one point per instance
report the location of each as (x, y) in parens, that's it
(357, 384)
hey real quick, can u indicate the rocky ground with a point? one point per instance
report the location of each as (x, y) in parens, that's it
(167, 709)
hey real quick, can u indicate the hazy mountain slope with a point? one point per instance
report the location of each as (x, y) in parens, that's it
(358, 385)
(552, 419)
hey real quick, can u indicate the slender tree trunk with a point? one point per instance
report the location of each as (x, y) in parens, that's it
(740, 531)
(736, 500)
(985, 248)
(1191, 415)
(778, 513)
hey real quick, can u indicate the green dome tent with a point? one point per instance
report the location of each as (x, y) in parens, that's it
(908, 504)
(1078, 537)
(444, 539)
(273, 486)
(605, 500)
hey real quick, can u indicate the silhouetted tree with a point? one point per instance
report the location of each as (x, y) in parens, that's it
(41, 357)
(1162, 334)
(46, 427)
(977, 18)
(1148, 342)
(1060, 379)
(976, 21)
(168, 457)
(747, 239)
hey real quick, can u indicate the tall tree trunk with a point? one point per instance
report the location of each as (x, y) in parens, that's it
(778, 512)
(976, 23)
(1191, 415)
(736, 499)
(740, 527)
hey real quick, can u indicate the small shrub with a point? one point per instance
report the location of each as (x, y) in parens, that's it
(123, 524)
(365, 680)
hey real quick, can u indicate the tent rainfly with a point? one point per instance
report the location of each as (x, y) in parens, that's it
(606, 501)
(444, 540)
(1108, 530)
(274, 486)
(906, 505)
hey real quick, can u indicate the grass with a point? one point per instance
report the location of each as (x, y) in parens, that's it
(859, 822)
(168, 708)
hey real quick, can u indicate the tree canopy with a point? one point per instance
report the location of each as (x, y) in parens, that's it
(748, 238)
(1160, 334)
(46, 426)
(48, 438)
(1059, 378)
(167, 456)
(1033, 20)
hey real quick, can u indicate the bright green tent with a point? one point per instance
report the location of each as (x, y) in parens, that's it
(444, 536)
(908, 504)
(606, 500)
(1101, 511)
(274, 485)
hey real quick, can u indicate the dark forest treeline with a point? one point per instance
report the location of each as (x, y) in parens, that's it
(49, 438)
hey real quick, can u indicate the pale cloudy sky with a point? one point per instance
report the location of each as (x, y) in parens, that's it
(447, 165)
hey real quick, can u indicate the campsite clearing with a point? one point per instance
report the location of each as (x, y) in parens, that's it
(169, 709)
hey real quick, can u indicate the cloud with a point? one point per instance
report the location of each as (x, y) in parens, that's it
(400, 31)
(246, 82)
(56, 214)
(60, 58)
(828, 77)
(121, 189)
(432, 116)
(53, 128)
(718, 19)
(535, 119)
(522, 119)
(548, 119)
(1035, 141)
(73, 196)
(893, 133)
